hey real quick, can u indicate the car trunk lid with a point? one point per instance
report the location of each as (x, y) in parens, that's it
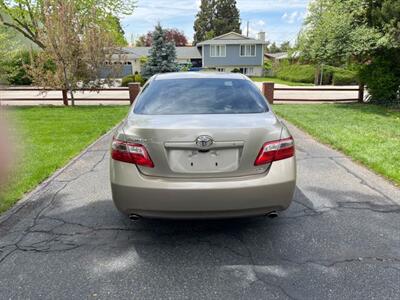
(173, 143)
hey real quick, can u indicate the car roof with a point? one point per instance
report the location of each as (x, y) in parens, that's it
(209, 75)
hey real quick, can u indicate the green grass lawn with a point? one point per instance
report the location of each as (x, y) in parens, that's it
(368, 133)
(280, 81)
(48, 137)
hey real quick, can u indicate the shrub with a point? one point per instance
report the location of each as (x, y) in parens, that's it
(267, 65)
(127, 79)
(235, 70)
(15, 69)
(382, 77)
(344, 77)
(306, 74)
(339, 76)
(133, 78)
(295, 72)
(139, 78)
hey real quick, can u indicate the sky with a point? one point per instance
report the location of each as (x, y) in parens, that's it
(280, 19)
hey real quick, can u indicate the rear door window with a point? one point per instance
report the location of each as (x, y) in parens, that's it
(200, 96)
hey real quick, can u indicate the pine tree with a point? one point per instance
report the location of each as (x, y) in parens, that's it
(227, 17)
(216, 17)
(162, 58)
(204, 21)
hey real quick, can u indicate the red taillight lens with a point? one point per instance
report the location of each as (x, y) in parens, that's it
(275, 150)
(131, 153)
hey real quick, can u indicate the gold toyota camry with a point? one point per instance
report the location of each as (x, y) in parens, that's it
(201, 145)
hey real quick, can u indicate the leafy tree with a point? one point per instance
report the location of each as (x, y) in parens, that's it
(285, 46)
(176, 36)
(362, 31)
(74, 47)
(142, 41)
(162, 55)
(273, 48)
(27, 16)
(204, 20)
(7, 44)
(172, 35)
(227, 17)
(116, 29)
(336, 31)
(214, 18)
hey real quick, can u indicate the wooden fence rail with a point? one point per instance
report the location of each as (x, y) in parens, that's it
(268, 89)
(133, 90)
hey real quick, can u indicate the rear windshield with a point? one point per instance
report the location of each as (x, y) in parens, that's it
(200, 96)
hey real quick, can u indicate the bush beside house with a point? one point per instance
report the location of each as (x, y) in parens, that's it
(133, 78)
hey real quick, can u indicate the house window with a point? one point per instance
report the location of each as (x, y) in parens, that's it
(247, 71)
(220, 70)
(217, 51)
(247, 50)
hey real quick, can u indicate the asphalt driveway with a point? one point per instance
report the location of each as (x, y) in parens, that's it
(340, 239)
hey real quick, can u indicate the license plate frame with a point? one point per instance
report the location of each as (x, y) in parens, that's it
(200, 162)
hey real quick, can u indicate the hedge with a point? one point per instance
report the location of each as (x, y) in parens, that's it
(295, 72)
(342, 76)
(306, 74)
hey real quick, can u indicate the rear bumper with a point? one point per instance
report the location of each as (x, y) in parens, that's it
(135, 193)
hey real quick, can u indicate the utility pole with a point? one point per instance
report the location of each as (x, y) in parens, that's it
(247, 29)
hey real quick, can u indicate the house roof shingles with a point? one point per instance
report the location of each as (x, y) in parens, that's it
(181, 52)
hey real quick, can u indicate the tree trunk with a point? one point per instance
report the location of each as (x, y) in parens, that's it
(72, 97)
(68, 87)
(321, 81)
(316, 75)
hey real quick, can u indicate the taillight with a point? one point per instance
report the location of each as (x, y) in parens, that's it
(131, 153)
(275, 150)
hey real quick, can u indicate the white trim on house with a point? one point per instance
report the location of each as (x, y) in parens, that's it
(262, 56)
(233, 34)
(202, 55)
(220, 47)
(231, 38)
(248, 71)
(245, 50)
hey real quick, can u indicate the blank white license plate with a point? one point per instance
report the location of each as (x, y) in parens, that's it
(213, 161)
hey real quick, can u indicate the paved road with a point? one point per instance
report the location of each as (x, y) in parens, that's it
(339, 240)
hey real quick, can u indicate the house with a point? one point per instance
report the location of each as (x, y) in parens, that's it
(276, 57)
(279, 56)
(223, 53)
(131, 58)
(233, 51)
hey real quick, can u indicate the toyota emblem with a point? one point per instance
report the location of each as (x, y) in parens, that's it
(204, 141)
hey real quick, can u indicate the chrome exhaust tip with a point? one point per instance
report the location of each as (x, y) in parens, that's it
(134, 217)
(272, 214)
